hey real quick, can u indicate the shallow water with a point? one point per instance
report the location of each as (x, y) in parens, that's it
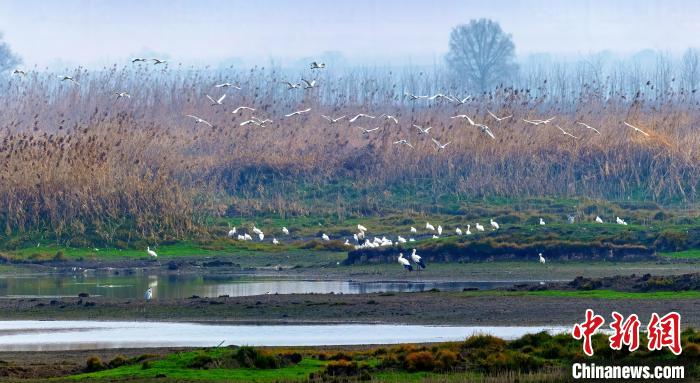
(84, 335)
(184, 286)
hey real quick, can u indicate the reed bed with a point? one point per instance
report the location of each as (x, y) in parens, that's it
(75, 160)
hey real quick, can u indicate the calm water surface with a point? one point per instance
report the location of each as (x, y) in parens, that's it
(83, 335)
(183, 286)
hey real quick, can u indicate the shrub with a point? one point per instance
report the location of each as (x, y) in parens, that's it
(201, 361)
(419, 361)
(118, 361)
(446, 360)
(94, 363)
(341, 368)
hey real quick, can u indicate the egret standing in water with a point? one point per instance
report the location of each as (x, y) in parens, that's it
(542, 260)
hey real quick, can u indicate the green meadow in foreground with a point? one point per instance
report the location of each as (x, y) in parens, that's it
(541, 356)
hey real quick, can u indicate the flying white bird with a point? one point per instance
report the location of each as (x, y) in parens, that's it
(139, 60)
(465, 117)
(462, 101)
(494, 225)
(285, 230)
(413, 97)
(429, 226)
(499, 119)
(440, 95)
(68, 78)
(636, 129)
(390, 117)
(439, 145)
(417, 259)
(317, 65)
(122, 94)
(485, 129)
(325, 237)
(309, 84)
(360, 115)
(403, 142)
(542, 222)
(291, 85)
(198, 120)
(19, 72)
(405, 263)
(542, 260)
(367, 131)
(150, 252)
(227, 85)
(564, 132)
(148, 295)
(254, 122)
(539, 122)
(157, 61)
(216, 102)
(479, 227)
(421, 130)
(331, 119)
(588, 127)
(298, 112)
(243, 108)
(598, 219)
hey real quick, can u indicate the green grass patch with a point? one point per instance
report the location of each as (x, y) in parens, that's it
(595, 294)
(688, 254)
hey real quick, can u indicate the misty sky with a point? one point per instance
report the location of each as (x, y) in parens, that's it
(96, 32)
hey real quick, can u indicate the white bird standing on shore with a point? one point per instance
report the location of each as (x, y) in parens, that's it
(401, 239)
(325, 237)
(413, 230)
(285, 230)
(361, 228)
(598, 219)
(458, 231)
(418, 260)
(542, 222)
(494, 225)
(439, 230)
(468, 232)
(150, 252)
(479, 227)
(542, 260)
(148, 295)
(404, 262)
(429, 226)
(275, 241)
(232, 232)
(620, 221)
(256, 230)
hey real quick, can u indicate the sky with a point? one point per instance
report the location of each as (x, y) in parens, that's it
(99, 32)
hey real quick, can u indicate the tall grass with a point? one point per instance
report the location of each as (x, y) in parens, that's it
(77, 160)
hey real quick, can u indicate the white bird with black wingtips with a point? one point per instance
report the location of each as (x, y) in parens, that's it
(405, 263)
(417, 259)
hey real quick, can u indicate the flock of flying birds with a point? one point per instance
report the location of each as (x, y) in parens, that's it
(360, 238)
(310, 84)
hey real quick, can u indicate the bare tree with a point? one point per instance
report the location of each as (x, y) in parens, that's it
(691, 69)
(481, 53)
(7, 58)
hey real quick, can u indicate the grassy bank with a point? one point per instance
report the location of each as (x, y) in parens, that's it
(534, 357)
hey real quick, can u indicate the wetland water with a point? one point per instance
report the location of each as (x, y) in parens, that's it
(184, 286)
(84, 335)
